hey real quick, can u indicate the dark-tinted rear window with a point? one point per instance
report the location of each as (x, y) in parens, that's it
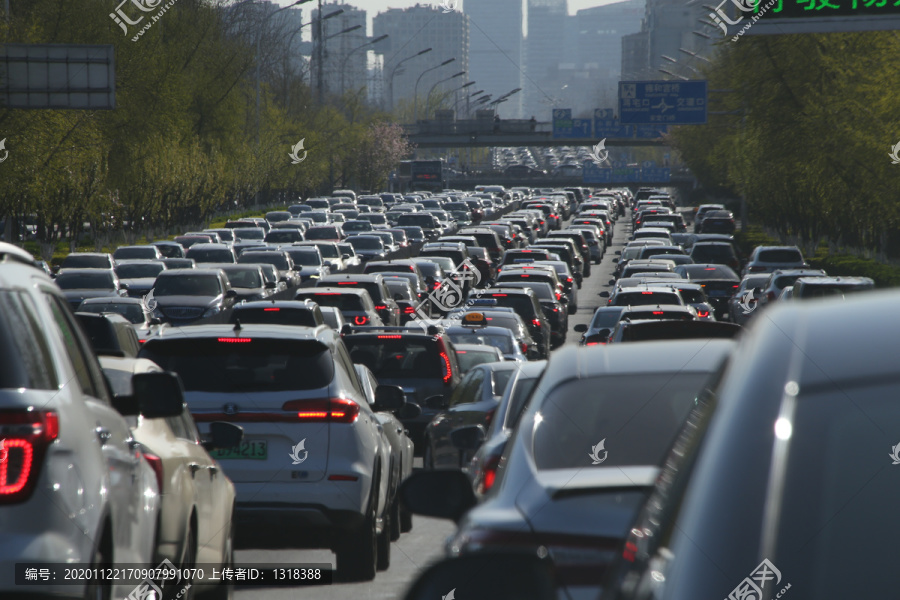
(256, 365)
(523, 305)
(25, 359)
(139, 270)
(418, 220)
(646, 298)
(348, 302)
(275, 315)
(701, 272)
(211, 256)
(75, 261)
(269, 258)
(397, 357)
(780, 256)
(713, 253)
(132, 312)
(187, 285)
(284, 236)
(101, 280)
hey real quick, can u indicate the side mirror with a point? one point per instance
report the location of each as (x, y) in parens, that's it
(345, 256)
(581, 328)
(410, 410)
(611, 282)
(603, 294)
(230, 294)
(158, 394)
(389, 398)
(123, 286)
(435, 402)
(443, 494)
(470, 437)
(223, 435)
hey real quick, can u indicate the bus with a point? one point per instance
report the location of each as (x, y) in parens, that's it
(426, 175)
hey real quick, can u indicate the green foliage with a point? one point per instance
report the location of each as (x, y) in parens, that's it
(846, 265)
(182, 143)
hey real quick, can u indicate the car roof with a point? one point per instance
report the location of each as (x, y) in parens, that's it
(487, 330)
(286, 304)
(332, 290)
(85, 271)
(574, 362)
(113, 300)
(177, 272)
(321, 333)
(369, 277)
(208, 246)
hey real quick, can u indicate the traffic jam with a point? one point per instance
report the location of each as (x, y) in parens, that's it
(544, 393)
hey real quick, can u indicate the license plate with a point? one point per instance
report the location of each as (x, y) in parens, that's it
(248, 450)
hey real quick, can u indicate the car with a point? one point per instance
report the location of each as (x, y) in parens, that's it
(368, 247)
(718, 281)
(308, 262)
(582, 460)
(766, 259)
(212, 253)
(76, 489)
(474, 329)
(603, 322)
(769, 290)
(526, 304)
(331, 254)
(414, 233)
(357, 226)
(701, 212)
(149, 252)
(186, 241)
(472, 355)
(746, 298)
(429, 224)
(566, 252)
(286, 271)
(719, 253)
(109, 334)
(284, 235)
(656, 233)
(251, 233)
(497, 316)
(185, 295)
(482, 468)
(650, 330)
(297, 396)
(138, 275)
(80, 284)
(247, 280)
(374, 284)
(402, 450)
(824, 287)
(302, 313)
(473, 402)
(196, 512)
(170, 249)
(649, 266)
(422, 363)
(87, 260)
(355, 304)
(813, 394)
(643, 295)
(134, 310)
(717, 221)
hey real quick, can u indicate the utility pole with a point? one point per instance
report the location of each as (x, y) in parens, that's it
(321, 49)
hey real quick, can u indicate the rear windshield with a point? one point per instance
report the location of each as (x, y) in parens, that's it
(25, 358)
(342, 302)
(501, 342)
(714, 272)
(712, 253)
(211, 256)
(366, 243)
(126, 253)
(250, 233)
(139, 270)
(253, 365)
(376, 218)
(695, 296)
(132, 312)
(520, 303)
(781, 256)
(101, 280)
(74, 261)
(186, 285)
(472, 358)
(275, 315)
(417, 220)
(244, 278)
(372, 287)
(357, 226)
(646, 298)
(305, 258)
(323, 233)
(284, 236)
(637, 418)
(393, 356)
(269, 258)
(816, 290)
(329, 251)
(606, 319)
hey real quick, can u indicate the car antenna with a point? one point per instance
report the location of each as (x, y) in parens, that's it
(237, 325)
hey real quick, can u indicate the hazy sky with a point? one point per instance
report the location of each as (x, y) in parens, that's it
(373, 7)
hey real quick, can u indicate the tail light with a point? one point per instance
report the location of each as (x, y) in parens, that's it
(489, 475)
(770, 296)
(381, 307)
(25, 435)
(333, 410)
(524, 348)
(536, 322)
(155, 463)
(409, 310)
(558, 296)
(448, 372)
(437, 284)
(702, 313)
(360, 320)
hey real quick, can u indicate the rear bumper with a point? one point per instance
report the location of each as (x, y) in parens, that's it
(280, 525)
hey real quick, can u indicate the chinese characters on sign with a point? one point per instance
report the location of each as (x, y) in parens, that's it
(662, 102)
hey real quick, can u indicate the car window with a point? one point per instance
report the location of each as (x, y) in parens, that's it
(780, 256)
(521, 394)
(101, 280)
(138, 270)
(81, 356)
(245, 365)
(605, 319)
(348, 302)
(244, 278)
(274, 315)
(186, 285)
(396, 356)
(637, 417)
(469, 389)
(132, 312)
(646, 299)
(500, 379)
(25, 359)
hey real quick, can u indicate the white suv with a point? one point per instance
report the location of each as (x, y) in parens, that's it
(314, 465)
(74, 486)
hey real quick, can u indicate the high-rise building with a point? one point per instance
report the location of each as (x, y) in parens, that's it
(496, 47)
(345, 56)
(411, 31)
(544, 51)
(667, 31)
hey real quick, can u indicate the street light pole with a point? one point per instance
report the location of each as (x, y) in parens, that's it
(394, 72)
(428, 97)
(416, 89)
(346, 58)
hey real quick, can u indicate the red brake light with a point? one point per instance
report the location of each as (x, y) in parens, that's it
(409, 310)
(390, 337)
(27, 435)
(235, 340)
(735, 286)
(448, 372)
(702, 313)
(526, 275)
(536, 322)
(381, 307)
(524, 348)
(360, 320)
(348, 283)
(334, 410)
(650, 293)
(271, 309)
(155, 463)
(658, 312)
(437, 284)
(709, 268)
(499, 295)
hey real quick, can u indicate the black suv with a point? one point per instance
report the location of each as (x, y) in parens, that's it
(527, 306)
(422, 362)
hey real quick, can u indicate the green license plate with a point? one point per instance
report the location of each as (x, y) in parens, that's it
(250, 449)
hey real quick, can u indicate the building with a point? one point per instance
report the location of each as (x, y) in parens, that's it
(413, 30)
(667, 34)
(344, 64)
(544, 51)
(496, 50)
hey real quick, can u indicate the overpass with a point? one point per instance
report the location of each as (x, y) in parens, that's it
(475, 133)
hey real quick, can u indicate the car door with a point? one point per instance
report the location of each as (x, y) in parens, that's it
(121, 453)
